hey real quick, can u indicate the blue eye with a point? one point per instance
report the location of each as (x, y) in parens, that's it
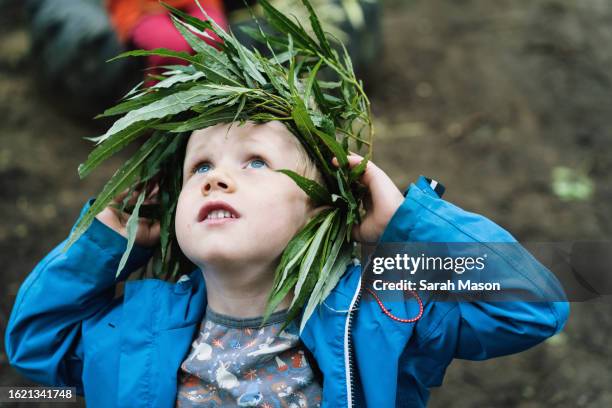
(257, 163)
(202, 168)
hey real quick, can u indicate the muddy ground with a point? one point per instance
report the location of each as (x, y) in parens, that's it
(487, 97)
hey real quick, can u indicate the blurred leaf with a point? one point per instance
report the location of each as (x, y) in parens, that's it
(569, 184)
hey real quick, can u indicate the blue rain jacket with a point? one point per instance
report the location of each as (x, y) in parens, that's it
(67, 328)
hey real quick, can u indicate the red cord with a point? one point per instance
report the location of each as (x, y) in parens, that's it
(414, 319)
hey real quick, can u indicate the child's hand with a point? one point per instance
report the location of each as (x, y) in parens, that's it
(383, 200)
(148, 230)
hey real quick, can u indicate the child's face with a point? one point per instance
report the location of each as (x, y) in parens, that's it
(237, 169)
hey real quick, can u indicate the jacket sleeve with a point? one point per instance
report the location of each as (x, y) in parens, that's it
(43, 336)
(477, 330)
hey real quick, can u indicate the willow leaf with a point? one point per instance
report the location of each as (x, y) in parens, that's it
(278, 297)
(152, 166)
(318, 30)
(195, 42)
(335, 147)
(339, 268)
(132, 230)
(311, 80)
(291, 73)
(294, 311)
(285, 25)
(298, 244)
(122, 178)
(112, 145)
(307, 129)
(216, 65)
(161, 52)
(132, 104)
(293, 263)
(222, 115)
(315, 191)
(249, 66)
(275, 77)
(331, 261)
(200, 25)
(178, 78)
(257, 36)
(333, 277)
(165, 222)
(311, 255)
(170, 105)
(243, 100)
(304, 123)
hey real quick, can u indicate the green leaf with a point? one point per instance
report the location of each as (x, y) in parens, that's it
(170, 105)
(335, 147)
(165, 222)
(318, 30)
(313, 250)
(314, 190)
(306, 129)
(278, 297)
(249, 66)
(215, 115)
(216, 65)
(296, 246)
(161, 52)
(132, 104)
(178, 78)
(132, 230)
(304, 123)
(335, 262)
(291, 73)
(153, 164)
(196, 23)
(292, 263)
(243, 100)
(112, 145)
(311, 80)
(279, 21)
(122, 178)
(275, 76)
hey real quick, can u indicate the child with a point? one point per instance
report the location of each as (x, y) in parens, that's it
(201, 340)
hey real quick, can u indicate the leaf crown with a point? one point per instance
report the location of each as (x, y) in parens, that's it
(302, 81)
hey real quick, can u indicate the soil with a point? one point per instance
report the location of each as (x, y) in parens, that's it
(486, 97)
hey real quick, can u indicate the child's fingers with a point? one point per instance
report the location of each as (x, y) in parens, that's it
(353, 159)
(152, 196)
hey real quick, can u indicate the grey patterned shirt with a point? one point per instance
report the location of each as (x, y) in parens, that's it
(236, 363)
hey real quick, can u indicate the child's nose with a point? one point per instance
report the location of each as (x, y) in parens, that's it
(218, 181)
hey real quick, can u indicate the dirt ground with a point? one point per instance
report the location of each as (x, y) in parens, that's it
(487, 97)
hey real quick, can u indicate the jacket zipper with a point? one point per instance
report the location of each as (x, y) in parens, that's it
(348, 351)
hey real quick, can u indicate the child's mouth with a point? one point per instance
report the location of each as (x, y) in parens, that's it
(219, 217)
(217, 212)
